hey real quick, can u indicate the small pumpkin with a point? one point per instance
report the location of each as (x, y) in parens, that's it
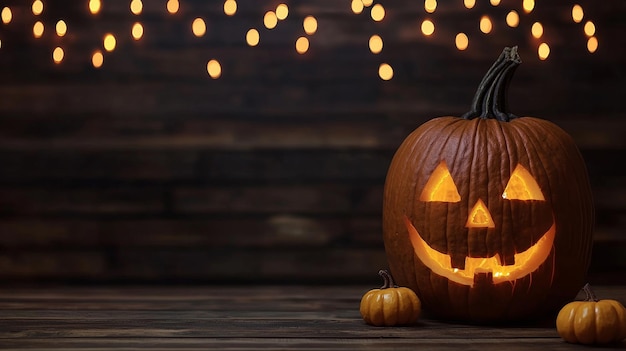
(390, 305)
(488, 216)
(592, 321)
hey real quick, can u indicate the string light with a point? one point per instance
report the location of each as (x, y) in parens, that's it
(136, 6)
(428, 27)
(198, 27)
(385, 71)
(6, 15)
(528, 5)
(310, 25)
(109, 42)
(469, 3)
(137, 31)
(38, 29)
(270, 20)
(357, 6)
(37, 7)
(97, 59)
(172, 6)
(485, 24)
(461, 41)
(94, 6)
(230, 7)
(302, 45)
(577, 13)
(282, 11)
(57, 55)
(252, 37)
(214, 69)
(61, 28)
(376, 44)
(378, 13)
(512, 19)
(430, 5)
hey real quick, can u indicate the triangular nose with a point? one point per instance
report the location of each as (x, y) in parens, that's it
(479, 216)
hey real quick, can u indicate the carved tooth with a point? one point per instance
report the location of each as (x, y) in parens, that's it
(508, 260)
(458, 261)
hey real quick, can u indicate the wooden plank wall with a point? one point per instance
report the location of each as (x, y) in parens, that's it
(148, 170)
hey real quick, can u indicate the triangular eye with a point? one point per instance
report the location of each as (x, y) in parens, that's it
(440, 186)
(522, 186)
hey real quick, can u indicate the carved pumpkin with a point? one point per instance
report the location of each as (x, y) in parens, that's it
(488, 217)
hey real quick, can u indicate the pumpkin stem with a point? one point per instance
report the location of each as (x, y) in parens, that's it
(490, 100)
(388, 279)
(590, 295)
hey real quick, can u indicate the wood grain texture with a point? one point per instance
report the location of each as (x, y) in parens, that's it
(267, 317)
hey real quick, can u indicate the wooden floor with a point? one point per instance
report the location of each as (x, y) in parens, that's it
(238, 318)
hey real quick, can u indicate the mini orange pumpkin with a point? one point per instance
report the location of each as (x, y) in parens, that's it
(488, 216)
(592, 321)
(390, 305)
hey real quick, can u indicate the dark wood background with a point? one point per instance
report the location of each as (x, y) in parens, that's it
(147, 170)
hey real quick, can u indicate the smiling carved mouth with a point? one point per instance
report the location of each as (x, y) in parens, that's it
(526, 262)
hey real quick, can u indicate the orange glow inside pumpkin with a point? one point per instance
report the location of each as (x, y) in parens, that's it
(440, 186)
(526, 262)
(479, 216)
(522, 186)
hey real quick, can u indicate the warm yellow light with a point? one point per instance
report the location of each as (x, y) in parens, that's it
(367, 3)
(61, 28)
(94, 6)
(590, 28)
(37, 7)
(378, 12)
(214, 69)
(428, 27)
(577, 13)
(479, 216)
(230, 7)
(302, 45)
(522, 185)
(592, 44)
(270, 20)
(543, 51)
(198, 27)
(469, 3)
(57, 55)
(137, 31)
(6, 15)
(310, 25)
(282, 11)
(97, 59)
(357, 6)
(495, 2)
(512, 19)
(528, 5)
(109, 42)
(172, 6)
(485, 24)
(376, 44)
(252, 37)
(461, 41)
(526, 262)
(385, 71)
(38, 29)
(430, 5)
(537, 30)
(440, 186)
(136, 6)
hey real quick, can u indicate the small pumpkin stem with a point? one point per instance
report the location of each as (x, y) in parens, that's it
(490, 100)
(388, 279)
(590, 295)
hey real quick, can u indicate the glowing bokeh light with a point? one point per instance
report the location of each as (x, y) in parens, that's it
(590, 29)
(428, 27)
(485, 24)
(57, 55)
(378, 12)
(6, 15)
(214, 69)
(230, 7)
(461, 41)
(592, 44)
(495, 2)
(469, 3)
(430, 6)
(302, 45)
(577, 13)
(357, 6)
(270, 20)
(38, 29)
(198, 27)
(282, 11)
(97, 59)
(172, 6)
(528, 5)
(376, 44)
(252, 37)
(137, 31)
(94, 6)
(37, 7)
(310, 25)
(61, 28)
(543, 51)
(385, 71)
(136, 7)
(512, 19)
(109, 42)
(536, 30)
(367, 3)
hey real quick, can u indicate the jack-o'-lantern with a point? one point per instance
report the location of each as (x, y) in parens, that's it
(488, 216)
